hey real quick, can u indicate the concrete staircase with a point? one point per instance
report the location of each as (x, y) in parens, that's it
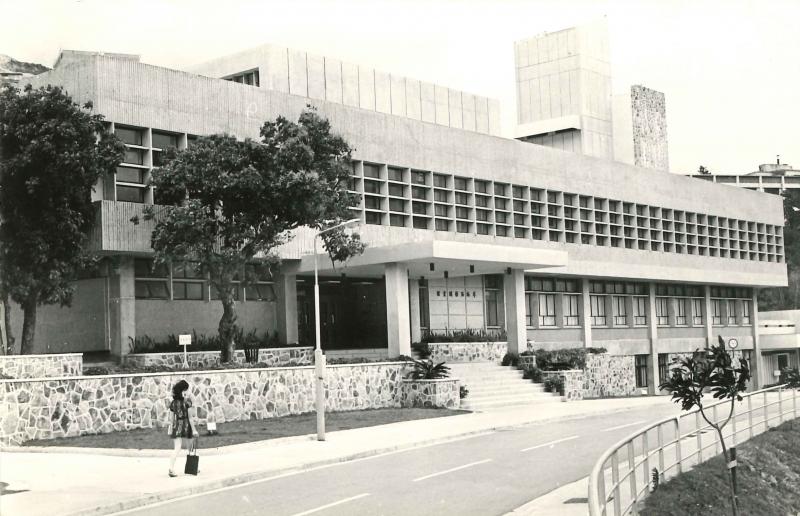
(491, 385)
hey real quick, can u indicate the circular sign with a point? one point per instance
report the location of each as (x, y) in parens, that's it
(733, 343)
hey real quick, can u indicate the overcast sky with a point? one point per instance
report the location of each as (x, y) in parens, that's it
(730, 69)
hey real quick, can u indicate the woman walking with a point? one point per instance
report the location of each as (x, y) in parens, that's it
(181, 428)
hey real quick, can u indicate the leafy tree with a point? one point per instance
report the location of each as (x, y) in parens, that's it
(703, 170)
(229, 203)
(52, 152)
(787, 298)
(710, 370)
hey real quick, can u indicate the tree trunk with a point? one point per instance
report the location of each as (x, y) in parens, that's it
(227, 328)
(6, 341)
(28, 325)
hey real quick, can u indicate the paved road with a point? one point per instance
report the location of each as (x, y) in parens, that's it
(487, 474)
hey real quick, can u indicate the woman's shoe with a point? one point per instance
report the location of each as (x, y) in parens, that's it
(172, 474)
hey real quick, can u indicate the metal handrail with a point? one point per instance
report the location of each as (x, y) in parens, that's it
(601, 495)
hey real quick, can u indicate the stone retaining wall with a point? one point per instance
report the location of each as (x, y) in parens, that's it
(40, 366)
(467, 351)
(432, 393)
(608, 376)
(573, 383)
(272, 357)
(59, 407)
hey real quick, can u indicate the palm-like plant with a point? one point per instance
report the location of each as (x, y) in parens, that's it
(426, 370)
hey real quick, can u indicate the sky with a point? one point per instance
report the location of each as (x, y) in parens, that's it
(730, 69)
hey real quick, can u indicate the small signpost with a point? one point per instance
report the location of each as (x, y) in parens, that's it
(185, 340)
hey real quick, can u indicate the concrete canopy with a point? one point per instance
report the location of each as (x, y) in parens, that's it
(451, 256)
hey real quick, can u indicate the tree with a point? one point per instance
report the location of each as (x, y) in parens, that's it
(703, 170)
(710, 370)
(52, 152)
(228, 204)
(787, 298)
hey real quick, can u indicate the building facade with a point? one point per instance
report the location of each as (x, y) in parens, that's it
(772, 178)
(465, 230)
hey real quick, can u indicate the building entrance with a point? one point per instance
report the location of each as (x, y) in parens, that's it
(352, 312)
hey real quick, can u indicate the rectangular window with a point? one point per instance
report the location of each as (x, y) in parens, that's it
(371, 217)
(697, 311)
(640, 311)
(492, 297)
(424, 306)
(462, 213)
(481, 186)
(501, 218)
(500, 189)
(529, 308)
(571, 313)
(372, 171)
(641, 370)
(397, 220)
(462, 198)
(620, 313)
(418, 177)
(130, 194)
(372, 203)
(460, 183)
(187, 281)
(395, 174)
(547, 309)
(440, 196)
(261, 291)
(482, 201)
(130, 175)
(663, 367)
(731, 305)
(442, 225)
(745, 312)
(662, 311)
(598, 310)
(397, 205)
(439, 181)
(397, 190)
(419, 193)
(680, 311)
(165, 141)
(372, 187)
(151, 282)
(500, 204)
(129, 135)
(716, 312)
(134, 156)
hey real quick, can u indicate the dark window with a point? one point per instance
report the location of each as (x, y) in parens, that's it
(151, 281)
(165, 140)
(492, 295)
(372, 171)
(424, 306)
(130, 175)
(372, 218)
(641, 370)
(395, 174)
(440, 181)
(460, 183)
(130, 194)
(129, 135)
(547, 309)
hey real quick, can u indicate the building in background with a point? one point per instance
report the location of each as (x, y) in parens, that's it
(772, 178)
(465, 230)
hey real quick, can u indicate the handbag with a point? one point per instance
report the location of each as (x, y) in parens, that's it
(192, 460)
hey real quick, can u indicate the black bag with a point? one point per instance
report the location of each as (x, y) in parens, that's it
(192, 460)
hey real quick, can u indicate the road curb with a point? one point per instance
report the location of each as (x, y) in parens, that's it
(165, 496)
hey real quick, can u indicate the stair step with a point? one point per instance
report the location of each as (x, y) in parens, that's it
(484, 405)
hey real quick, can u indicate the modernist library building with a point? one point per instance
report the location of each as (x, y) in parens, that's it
(465, 229)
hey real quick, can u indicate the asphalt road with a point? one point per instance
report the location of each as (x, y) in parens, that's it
(487, 474)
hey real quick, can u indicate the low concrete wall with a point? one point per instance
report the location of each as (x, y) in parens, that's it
(432, 393)
(48, 408)
(273, 357)
(609, 376)
(40, 366)
(467, 351)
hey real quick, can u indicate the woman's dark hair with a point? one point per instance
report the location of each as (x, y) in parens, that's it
(177, 391)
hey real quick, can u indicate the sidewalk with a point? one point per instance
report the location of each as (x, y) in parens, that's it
(66, 481)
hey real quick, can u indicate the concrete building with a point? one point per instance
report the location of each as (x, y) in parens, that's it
(772, 178)
(780, 342)
(466, 230)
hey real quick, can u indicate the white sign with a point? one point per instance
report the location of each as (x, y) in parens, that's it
(184, 340)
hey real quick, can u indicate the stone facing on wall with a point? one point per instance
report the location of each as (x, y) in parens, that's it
(62, 407)
(272, 357)
(41, 366)
(573, 383)
(431, 393)
(607, 376)
(649, 120)
(467, 351)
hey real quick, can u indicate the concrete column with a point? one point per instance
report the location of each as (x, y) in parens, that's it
(708, 319)
(652, 335)
(286, 291)
(121, 306)
(758, 368)
(586, 314)
(630, 317)
(413, 308)
(397, 316)
(514, 293)
(559, 310)
(672, 311)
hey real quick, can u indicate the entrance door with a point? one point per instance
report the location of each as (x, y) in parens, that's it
(328, 320)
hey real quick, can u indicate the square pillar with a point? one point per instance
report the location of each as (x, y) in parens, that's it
(652, 334)
(413, 309)
(586, 314)
(397, 313)
(286, 287)
(708, 319)
(757, 372)
(516, 329)
(121, 306)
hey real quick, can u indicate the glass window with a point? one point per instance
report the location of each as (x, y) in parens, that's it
(529, 308)
(187, 291)
(598, 310)
(215, 296)
(372, 187)
(395, 174)
(439, 180)
(129, 135)
(418, 177)
(460, 183)
(372, 203)
(442, 225)
(620, 312)
(501, 231)
(492, 302)
(746, 312)
(697, 311)
(397, 205)
(481, 186)
(165, 140)
(151, 281)
(440, 195)
(500, 204)
(641, 370)
(372, 171)
(662, 311)
(260, 292)
(396, 190)
(500, 189)
(462, 227)
(680, 311)
(130, 194)
(371, 217)
(547, 309)
(397, 220)
(640, 311)
(424, 306)
(481, 201)
(716, 312)
(130, 175)
(571, 313)
(134, 156)
(462, 198)
(663, 367)
(731, 305)
(500, 217)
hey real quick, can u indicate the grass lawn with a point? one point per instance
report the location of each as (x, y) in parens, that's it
(238, 432)
(768, 479)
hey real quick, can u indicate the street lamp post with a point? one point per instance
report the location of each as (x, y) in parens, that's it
(319, 358)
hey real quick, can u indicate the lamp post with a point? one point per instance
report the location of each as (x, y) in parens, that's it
(319, 358)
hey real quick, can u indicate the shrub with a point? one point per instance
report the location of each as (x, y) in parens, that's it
(511, 359)
(422, 349)
(463, 392)
(466, 335)
(561, 359)
(202, 342)
(554, 384)
(528, 353)
(532, 373)
(427, 370)
(791, 377)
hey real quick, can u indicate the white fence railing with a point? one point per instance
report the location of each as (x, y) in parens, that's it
(623, 475)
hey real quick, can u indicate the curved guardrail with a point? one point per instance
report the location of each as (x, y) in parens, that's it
(622, 476)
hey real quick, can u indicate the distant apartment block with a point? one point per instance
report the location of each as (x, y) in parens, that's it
(771, 178)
